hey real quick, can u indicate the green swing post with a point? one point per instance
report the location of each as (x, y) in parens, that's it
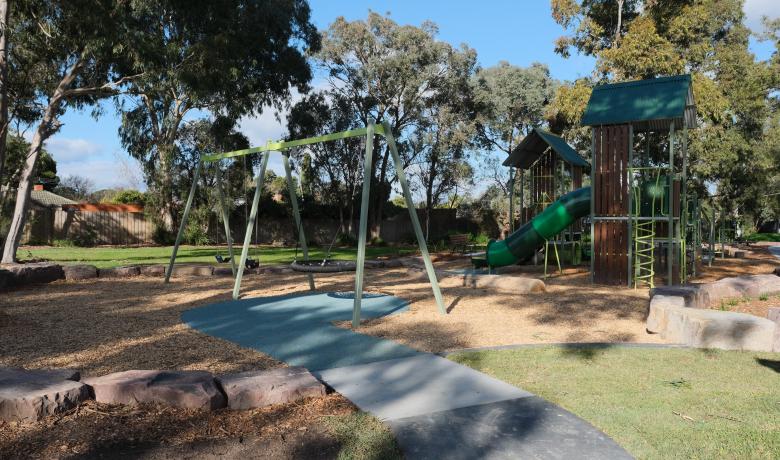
(399, 169)
(225, 215)
(363, 225)
(184, 217)
(250, 225)
(296, 213)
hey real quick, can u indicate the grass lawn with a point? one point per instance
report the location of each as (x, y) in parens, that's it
(656, 403)
(106, 257)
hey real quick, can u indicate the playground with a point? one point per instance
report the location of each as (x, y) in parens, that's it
(605, 296)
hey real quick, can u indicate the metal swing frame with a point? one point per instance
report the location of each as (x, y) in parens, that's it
(369, 132)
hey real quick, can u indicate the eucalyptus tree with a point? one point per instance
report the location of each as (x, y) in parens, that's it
(510, 102)
(74, 53)
(731, 148)
(388, 73)
(225, 57)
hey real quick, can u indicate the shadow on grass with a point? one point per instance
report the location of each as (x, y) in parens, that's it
(769, 364)
(584, 351)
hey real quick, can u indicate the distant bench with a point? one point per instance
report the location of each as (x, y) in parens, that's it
(461, 241)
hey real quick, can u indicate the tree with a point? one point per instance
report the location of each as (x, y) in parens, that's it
(388, 73)
(76, 187)
(335, 164)
(76, 50)
(5, 11)
(16, 150)
(226, 57)
(510, 102)
(731, 148)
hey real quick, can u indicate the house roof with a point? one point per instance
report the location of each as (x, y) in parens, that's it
(536, 143)
(48, 199)
(647, 104)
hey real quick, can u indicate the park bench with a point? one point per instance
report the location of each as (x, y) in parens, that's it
(461, 241)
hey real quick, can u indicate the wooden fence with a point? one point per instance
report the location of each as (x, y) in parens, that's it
(122, 228)
(118, 228)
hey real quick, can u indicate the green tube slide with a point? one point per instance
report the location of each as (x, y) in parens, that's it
(524, 241)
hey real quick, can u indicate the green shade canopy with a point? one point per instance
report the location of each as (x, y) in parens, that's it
(535, 144)
(647, 104)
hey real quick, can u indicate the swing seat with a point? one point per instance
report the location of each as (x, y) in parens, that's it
(326, 266)
(252, 263)
(222, 260)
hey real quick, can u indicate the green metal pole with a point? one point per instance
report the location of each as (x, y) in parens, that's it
(522, 195)
(297, 214)
(629, 181)
(670, 231)
(183, 224)
(511, 199)
(399, 170)
(225, 216)
(363, 225)
(250, 225)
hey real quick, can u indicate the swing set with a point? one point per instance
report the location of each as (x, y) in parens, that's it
(307, 266)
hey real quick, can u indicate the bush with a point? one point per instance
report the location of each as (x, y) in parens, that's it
(196, 231)
(377, 241)
(481, 239)
(347, 239)
(63, 243)
(129, 197)
(774, 237)
(162, 236)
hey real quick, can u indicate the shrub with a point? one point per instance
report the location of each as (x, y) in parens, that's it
(129, 197)
(196, 231)
(377, 241)
(347, 239)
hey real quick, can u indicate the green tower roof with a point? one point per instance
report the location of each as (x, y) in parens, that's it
(536, 143)
(647, 104)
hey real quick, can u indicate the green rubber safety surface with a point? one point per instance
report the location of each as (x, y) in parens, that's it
(298, 329)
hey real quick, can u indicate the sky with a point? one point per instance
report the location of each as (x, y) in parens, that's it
(520, 32)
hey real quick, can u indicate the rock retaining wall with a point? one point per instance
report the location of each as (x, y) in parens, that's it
(683, 315)
(16, 275)
(29, 395)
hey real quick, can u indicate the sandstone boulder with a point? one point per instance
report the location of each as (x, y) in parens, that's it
(184, 389)
(29, 395)
(41, 272)
(120, 272)
(502, 283)
(692, 294)
(79, 272)
(152, 270)
(250, 390)
(192, 270)
(703, 328)
(392, 263)
(222, 271)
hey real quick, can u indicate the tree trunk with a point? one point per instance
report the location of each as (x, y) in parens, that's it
(378, 192)
(5, 9)
(25, 188)
(45, 129)
(619, 20)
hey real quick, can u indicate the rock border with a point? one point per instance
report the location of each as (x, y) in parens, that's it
(28, 395)
(17, 275)
(682, 314)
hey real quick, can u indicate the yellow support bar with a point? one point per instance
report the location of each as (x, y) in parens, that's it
(283, 145)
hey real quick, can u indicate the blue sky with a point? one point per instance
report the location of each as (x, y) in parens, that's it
(521, 32)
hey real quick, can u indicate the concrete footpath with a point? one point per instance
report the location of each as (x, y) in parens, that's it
(436, 407)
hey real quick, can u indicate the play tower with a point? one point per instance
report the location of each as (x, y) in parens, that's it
(644, 228)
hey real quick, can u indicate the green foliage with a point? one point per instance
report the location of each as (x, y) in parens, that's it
(130, 197)
(258, 48)
(196, 231)
(378, 242)
(775, 237)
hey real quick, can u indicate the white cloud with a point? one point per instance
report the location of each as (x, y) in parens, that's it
(756, 9)
(66, 150)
